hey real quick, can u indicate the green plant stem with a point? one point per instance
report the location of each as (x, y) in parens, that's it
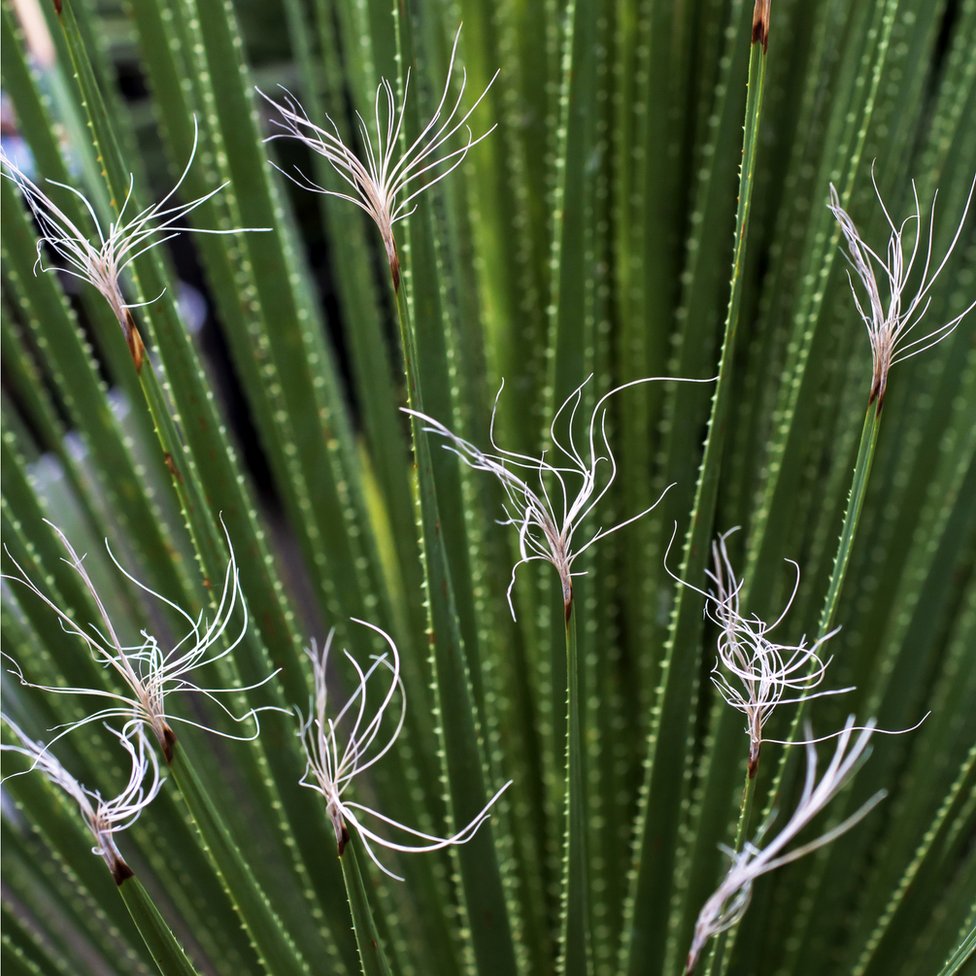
(168, 954)
(372, 959)
(278, 954)
(859, 487)
(575, 936)
(186, 485)
(719, 956)
(960, 955)
(408, 344)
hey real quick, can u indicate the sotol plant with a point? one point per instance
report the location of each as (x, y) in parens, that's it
(260, 489)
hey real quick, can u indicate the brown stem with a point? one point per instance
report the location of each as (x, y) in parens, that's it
(754, 750)
(120, 870)
(760, 24)
(134, 341)
(393, 256)
(168, 744)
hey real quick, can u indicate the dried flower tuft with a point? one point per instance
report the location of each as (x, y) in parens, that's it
(341, 746)
(151, 673)
(890, 312)
(753, 673)
(383, 183)
(100, 260)
(104, 818)
(549, 516)
(728, 904)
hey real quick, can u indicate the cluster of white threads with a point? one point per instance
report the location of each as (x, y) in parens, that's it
(104, 818)
(892, 316)
(151, 672)
(753, 673)
(384, 184)
(548, 516)
(341, 746)
(728, 904)
(101, 259)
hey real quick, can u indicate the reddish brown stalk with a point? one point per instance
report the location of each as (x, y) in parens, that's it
(168, 744)
(394, 258)
(121, 871)
(133, 340)
(760, 24)
(754, 750)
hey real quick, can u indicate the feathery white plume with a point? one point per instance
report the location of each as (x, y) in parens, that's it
(343, 744)
(384, 183)
(549, 515)
(100, 258)
(753, 673)
(728, 904)
(104, 818)
(150, 672)
(890, 313)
